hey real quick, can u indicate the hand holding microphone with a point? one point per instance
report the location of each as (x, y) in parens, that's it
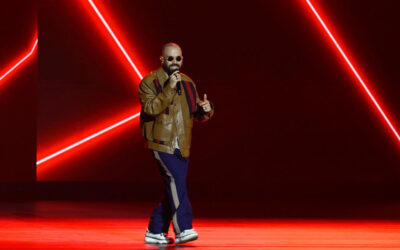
(174, 79)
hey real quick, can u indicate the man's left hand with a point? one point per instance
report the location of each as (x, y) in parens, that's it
(205, 104)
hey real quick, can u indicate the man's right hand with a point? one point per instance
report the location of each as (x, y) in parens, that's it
(174, 78)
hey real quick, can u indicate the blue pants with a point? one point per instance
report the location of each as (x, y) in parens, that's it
(175, 205)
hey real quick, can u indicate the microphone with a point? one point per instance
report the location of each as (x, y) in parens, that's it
(178, 88)
(178, 84)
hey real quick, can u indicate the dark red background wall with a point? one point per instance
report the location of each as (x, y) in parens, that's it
(18, 28)
(291, 120)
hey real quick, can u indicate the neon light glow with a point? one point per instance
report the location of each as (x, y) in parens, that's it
(107, 129)
(23, 59)
(115, 38)
(361, 81)
(76, 144)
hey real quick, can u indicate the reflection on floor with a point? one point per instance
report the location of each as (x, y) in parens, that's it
(54, 225)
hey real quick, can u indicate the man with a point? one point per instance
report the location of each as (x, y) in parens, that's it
(170, 103)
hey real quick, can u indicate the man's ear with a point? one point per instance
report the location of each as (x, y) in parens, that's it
(162, 59)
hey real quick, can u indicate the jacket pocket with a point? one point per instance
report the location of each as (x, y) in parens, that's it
(162, 128)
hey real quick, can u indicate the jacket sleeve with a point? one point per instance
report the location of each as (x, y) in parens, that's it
(152, 103)
(199, 114)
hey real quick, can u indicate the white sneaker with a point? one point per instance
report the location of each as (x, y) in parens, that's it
(186, 235)
(161, 238)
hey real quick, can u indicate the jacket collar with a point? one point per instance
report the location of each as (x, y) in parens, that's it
(161, 75)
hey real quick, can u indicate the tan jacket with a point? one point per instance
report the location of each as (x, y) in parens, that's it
(166, 115)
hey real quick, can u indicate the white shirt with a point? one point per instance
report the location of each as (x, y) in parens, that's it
(176, 145)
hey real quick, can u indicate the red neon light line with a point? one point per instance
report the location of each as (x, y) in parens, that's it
(87, 139)
(76, 144)
(354, 71)
(20, 61)
(115, 38)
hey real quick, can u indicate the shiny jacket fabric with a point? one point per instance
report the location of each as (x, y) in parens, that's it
(166, 114)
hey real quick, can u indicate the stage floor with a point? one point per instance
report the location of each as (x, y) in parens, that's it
(100, 226)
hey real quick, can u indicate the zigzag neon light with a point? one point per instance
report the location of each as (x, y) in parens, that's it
(10, 70)
(105, 130)
(360, 80)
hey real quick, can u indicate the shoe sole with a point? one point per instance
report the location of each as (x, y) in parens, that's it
(154, 241)
(187, 238)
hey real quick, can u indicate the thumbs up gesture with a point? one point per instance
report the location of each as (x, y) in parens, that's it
(205, 104)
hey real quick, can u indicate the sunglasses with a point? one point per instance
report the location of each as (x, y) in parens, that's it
(171, 58)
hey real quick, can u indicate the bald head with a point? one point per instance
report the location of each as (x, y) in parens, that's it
(171, 58)
(170, 46)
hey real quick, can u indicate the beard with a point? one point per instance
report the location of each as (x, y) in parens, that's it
(169, 69)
